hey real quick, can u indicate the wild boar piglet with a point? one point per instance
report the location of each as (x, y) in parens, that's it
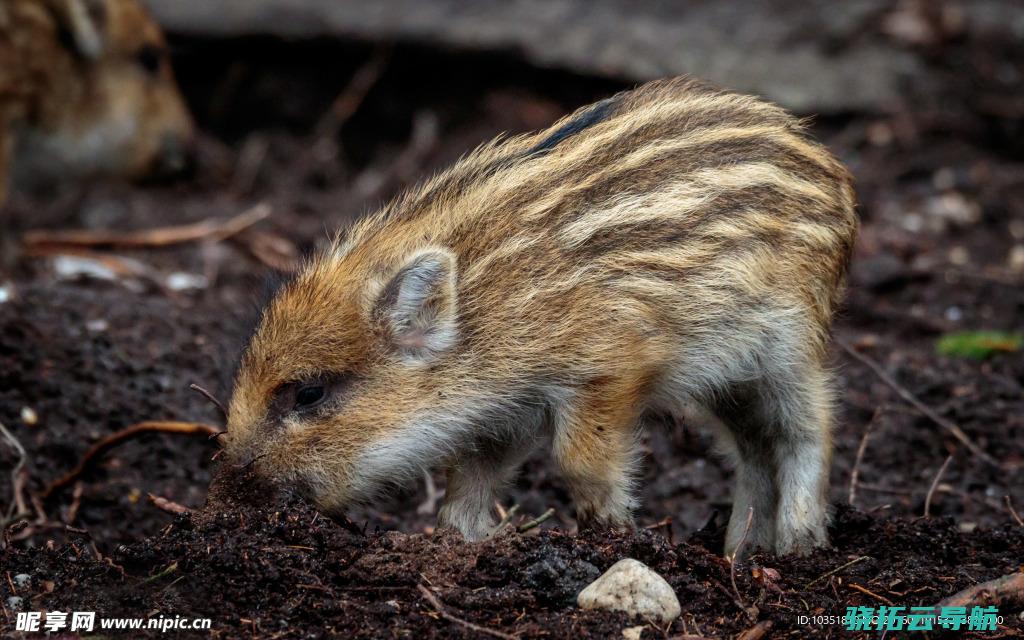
(676, 249)
(86, 89)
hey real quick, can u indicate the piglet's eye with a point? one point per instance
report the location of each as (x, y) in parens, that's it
(309, 396)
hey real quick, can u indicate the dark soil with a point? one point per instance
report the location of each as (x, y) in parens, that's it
(283, 570)
(942, 193)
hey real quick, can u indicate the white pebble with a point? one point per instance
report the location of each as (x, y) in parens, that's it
(631, 586)
(73, 267)
(181, 281)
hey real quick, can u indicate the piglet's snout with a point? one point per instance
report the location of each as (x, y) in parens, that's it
(176, 156)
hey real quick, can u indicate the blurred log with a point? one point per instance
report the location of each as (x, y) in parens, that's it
(808, 55)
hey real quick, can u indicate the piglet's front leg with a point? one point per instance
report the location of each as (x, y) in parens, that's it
(475, 483)
(595, 446)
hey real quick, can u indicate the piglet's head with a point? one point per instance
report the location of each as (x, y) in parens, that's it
(337, 394)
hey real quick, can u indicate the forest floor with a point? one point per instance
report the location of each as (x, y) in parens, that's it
(95, 340)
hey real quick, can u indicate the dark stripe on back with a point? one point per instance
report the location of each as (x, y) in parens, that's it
(599, 112)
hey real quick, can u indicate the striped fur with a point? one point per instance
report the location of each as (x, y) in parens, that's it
(675, 248)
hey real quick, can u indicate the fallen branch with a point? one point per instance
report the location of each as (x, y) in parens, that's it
(214, 230)
(1007, 591)
(935, 485)
(114, 439)
(169, 506)
(913, 400)
(440, 609)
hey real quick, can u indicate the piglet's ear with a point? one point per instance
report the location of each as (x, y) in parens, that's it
(84, 24)
(416, 310)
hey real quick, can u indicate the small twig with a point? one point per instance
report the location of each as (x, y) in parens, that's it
(664, 522)
(725, 592)
(867, 592)
(374, 181)
(667, 523)
(17, 501)
(168, 505)
(249, 163)
(440, 609)
(505, 519)
(913, 400)
(1013, 512)
(20, 483)
(209, 396)
(526, 526)
(834, 571)
(354, 94)
(757, 631)
(171, 568)
(272, 250)
(76, 503)
(877, 488)
(855, 472)
(738, 553)
(994, 276)
(114, 439)
(429, 504)
(146, 238)
(935, 485)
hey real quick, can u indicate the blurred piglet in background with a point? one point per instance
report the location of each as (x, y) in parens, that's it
(86, 90)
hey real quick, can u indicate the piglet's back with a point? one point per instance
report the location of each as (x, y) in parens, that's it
(674, 207)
